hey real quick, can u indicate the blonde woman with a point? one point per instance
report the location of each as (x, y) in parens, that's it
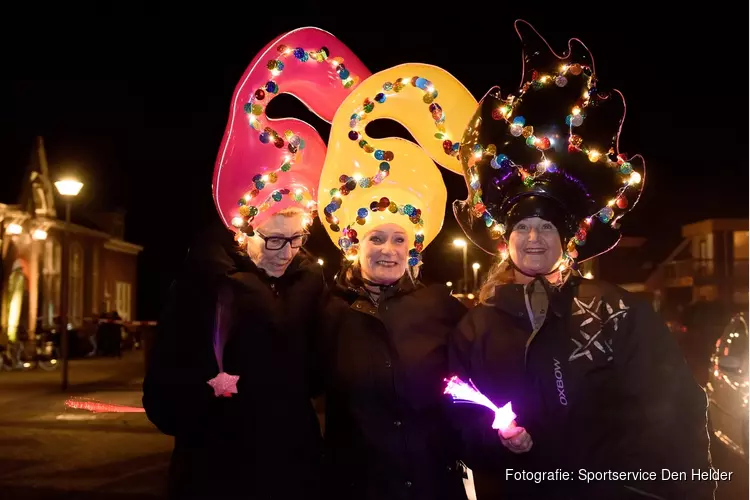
(384, 350)
(593, 374)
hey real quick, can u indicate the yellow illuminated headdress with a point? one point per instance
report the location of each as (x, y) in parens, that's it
(367, 182)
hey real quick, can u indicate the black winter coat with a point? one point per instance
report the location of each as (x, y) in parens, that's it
(601, 387)
(265, 441)
(387, 436)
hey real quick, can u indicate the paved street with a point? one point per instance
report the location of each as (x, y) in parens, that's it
(48, 452)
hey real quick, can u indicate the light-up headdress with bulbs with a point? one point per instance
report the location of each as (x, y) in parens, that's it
(265, 166)
(551, 150)
(367, 182)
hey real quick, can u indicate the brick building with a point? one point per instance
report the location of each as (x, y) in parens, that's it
(707, 261)
(101, 270)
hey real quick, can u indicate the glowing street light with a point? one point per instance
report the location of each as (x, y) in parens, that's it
(68, 189)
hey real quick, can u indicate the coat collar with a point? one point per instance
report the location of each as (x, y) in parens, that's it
(350, 285)
(510, 298)
(248, 274)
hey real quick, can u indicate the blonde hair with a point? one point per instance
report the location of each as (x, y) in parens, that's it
(501, 273)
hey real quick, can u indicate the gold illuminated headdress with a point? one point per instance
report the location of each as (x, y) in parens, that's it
(367, 182)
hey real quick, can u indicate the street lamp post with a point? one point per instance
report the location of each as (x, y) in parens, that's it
(475, 267)
(461, 243)
(68, 189)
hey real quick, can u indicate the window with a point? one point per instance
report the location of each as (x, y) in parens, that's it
(741, 245)
(94, 280)
(107, 299)
(122, 300)
(703, 258)
(75, 282)
(15, 307)
(740, 264)
(51, 265)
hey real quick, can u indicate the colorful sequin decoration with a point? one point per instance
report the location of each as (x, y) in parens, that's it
(247, 212)
(356, 124)
(430, 93)
(349, 242)
(519, 128)
(255, 110)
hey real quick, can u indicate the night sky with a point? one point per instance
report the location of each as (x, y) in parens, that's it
(135, 102)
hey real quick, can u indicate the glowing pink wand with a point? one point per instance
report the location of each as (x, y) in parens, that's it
(461, 392)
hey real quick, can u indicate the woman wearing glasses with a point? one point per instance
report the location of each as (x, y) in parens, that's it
(244, 310)
(228, 374)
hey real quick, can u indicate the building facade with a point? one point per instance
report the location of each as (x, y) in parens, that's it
(709, 262)
(101, 269)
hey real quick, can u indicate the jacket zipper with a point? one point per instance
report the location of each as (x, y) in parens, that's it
(393, 355)
(535, 330)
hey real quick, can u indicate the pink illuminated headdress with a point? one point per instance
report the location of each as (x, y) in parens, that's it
(266, 165)
(552, 147)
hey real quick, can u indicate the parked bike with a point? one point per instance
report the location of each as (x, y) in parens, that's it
(14, 356)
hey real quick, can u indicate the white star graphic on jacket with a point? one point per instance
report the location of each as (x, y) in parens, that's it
(594, 315)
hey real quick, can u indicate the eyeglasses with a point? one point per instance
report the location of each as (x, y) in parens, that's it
(279, 242)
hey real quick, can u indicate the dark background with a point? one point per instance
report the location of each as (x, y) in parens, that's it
(134, 99)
